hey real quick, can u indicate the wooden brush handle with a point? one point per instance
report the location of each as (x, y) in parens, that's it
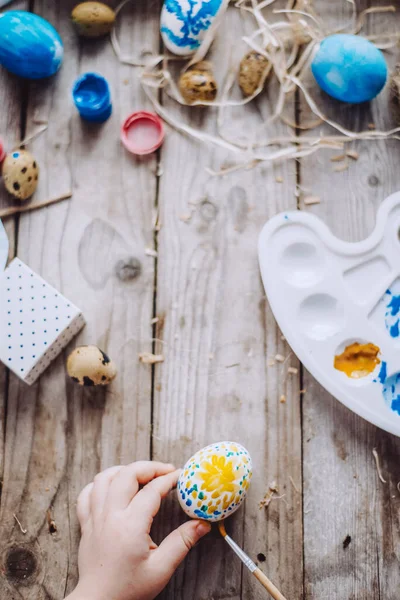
(269, 586)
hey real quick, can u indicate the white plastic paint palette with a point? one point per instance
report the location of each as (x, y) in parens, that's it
(327, 294)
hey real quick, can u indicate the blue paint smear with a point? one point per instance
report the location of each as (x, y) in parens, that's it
(194, 21)
(392, 314)
(189, 502)
(390, 389)
(391, 392)
(29, 45)
(202, 514)
(382, 373)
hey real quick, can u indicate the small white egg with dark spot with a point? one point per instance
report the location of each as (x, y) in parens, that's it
(20, 174)
(90, 366)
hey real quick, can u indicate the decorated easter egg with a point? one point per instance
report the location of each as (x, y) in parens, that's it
(89, 366)
(349, 68)
(93, 19)
(198, 84)
(184, 23)
(214, 482)
(253, 68)
(29, 46)
(20, 174)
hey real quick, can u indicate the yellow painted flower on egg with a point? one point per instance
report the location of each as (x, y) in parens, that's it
(218, 475)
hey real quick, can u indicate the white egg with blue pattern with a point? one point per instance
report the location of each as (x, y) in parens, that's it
(214, 482)
(184, 23)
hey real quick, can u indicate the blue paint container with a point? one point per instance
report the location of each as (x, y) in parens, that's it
(349, 68)
(29, 45)
(92, 97)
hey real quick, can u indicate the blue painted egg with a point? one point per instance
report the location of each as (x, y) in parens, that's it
(29, 46)
(349, 68)
(184, 23)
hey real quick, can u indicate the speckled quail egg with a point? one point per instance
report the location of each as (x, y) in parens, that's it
(93, 19)
(214, 482)
(198, 84)
(20, 174)
(253, 68)
(88, 366)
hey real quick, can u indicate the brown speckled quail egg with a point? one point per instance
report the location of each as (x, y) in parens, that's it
(20, 174)
(93, 19)
(198, 84)
(88, 366)
(253, 67)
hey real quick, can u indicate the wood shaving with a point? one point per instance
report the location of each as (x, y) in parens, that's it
(292, 370)
(266, 501)
(308, 200)
(303, 391)
(24, 531)
(271, 362)
(294, 485)
(283, 338)
(185, 218)
(338, 158)
(378, 465)
(282, 399)
(352, 154)
(155, 320)
(148, 358)
(371, 126)
(279, 358)
(151, 252)
(342, 167)
(211, 356)
(279, 179)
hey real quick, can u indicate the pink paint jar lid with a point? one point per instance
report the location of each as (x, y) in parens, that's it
(2, 151)
(142, 132)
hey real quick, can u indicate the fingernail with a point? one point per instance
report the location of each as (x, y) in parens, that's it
(203, 528)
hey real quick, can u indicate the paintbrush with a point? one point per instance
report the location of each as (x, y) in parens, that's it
(258, 574)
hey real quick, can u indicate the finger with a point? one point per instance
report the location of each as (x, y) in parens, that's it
(83, 505)
(178, 544)
(147, 502)
(101, 485)
(126, 484)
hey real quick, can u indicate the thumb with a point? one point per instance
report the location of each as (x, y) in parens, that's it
(177, 545)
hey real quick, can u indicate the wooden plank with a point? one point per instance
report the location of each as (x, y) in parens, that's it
(217, 333)
(351, 532)
(11, 92)
(59, 435)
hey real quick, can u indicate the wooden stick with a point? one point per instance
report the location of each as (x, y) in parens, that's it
(258, 574)
(14, 210)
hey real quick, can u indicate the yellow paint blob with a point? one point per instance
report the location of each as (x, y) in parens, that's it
(358, 360)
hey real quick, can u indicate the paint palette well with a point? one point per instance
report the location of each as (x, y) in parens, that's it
(338, 305)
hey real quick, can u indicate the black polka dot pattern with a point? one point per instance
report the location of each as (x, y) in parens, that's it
(38, 321)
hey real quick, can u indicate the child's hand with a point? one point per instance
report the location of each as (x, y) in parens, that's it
(118, 560)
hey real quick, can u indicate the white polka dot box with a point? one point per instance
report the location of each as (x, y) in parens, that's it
(36, 321)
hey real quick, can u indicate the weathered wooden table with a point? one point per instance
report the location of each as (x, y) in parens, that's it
(335, 534)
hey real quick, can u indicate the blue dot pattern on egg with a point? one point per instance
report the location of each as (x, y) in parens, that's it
(214, 481)
(184, 23)
(349, 68)
(29, 45)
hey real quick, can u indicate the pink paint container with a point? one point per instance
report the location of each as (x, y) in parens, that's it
(142, 133)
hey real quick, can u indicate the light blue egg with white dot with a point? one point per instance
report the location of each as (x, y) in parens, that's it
(349, 68)
(29, 45)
